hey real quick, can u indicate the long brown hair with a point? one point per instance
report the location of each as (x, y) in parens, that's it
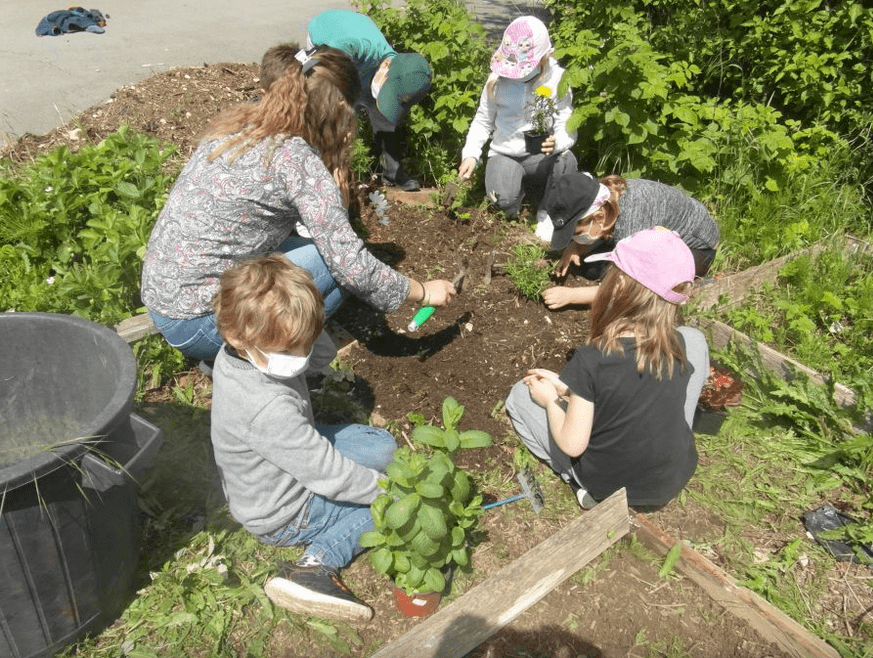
(317, 106)
(623, 305)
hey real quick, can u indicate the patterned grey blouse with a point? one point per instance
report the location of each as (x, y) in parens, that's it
(223, 210)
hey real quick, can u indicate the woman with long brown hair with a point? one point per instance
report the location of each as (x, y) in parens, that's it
(261, 170)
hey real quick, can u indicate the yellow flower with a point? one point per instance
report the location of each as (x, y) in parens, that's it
(543, 110)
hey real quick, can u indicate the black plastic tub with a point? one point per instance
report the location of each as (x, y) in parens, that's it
(70, 448)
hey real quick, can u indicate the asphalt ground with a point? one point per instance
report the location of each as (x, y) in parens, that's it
(45, 81)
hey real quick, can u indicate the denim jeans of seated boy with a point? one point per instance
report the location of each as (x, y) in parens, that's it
(332, 528)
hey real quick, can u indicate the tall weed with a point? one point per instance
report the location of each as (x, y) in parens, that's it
(74, 226)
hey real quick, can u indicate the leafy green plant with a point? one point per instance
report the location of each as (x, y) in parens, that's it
(448, 438)
(820, 311)
(529, 270)
(424, 520)
(74, 226)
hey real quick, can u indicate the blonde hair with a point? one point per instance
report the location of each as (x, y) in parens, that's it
(268, 302)
(605, 216)
(317, 106)
(624, 305)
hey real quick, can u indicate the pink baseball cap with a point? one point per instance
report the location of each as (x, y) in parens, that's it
(525, 42)
(656, 257)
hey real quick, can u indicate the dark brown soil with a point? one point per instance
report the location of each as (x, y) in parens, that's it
(473, 350)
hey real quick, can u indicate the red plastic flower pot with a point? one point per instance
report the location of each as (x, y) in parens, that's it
(417, 605)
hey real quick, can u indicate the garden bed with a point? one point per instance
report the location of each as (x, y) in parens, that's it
(473, 350)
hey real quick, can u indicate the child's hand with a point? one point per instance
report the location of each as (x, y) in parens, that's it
(572, 255)
(557, 297)
(542, 391)
(554, 378)
(560, 296)
(465, 170)
(548, 145)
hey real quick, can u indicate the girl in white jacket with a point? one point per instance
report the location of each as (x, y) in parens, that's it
(520, 67)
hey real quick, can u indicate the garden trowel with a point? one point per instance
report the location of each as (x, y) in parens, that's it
(450, 191)
(530, 489)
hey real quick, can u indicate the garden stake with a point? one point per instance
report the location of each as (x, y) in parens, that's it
(530, 490)
(426, 311)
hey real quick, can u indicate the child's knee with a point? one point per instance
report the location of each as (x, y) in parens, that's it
(509, 204)
(383, 445)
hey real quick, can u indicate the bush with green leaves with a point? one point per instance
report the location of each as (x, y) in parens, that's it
(423, 521)
(643, 110)
(454, 44)
(820, 311)
(74, 227)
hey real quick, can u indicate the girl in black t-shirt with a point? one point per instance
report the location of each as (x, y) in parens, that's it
(620, 413)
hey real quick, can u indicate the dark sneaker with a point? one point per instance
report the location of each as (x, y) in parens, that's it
(315, 590)
(403, 182)
(585, 499)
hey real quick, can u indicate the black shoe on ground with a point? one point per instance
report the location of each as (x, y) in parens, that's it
(315, 590)
(585, 499)
(403, 182)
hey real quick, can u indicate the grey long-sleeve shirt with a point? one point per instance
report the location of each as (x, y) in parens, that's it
(269, 453)
(647, 203)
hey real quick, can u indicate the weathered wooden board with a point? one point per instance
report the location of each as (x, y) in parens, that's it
(470, 620)
(139, 326)
(771, 623)
(721, 334)
(735, 288)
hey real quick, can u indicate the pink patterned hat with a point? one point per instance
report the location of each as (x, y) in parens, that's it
(525, 42)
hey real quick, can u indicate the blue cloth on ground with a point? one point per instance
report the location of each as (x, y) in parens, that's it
(74, 19)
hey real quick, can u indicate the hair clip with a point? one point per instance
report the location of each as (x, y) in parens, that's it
(306, 59)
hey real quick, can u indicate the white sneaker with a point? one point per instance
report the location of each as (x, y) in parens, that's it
(586, 500)
(545, 228)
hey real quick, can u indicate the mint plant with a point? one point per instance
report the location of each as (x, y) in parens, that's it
(424, 520)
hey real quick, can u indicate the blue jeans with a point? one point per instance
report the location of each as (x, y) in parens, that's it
(330, 527)
(507, 179)
(199, 338)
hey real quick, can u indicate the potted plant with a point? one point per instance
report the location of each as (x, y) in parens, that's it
(541, 120)
(722, 389)
(423, 521)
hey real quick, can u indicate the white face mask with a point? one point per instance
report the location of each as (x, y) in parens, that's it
(530, 76)
(378, 80)
(281, 366)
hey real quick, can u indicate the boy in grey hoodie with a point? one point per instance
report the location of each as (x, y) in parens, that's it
(288, 481)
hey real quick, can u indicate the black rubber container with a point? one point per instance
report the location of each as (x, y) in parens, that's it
(70, 448)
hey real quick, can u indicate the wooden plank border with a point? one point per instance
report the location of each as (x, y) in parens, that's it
(770, 622)
(471, 619)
